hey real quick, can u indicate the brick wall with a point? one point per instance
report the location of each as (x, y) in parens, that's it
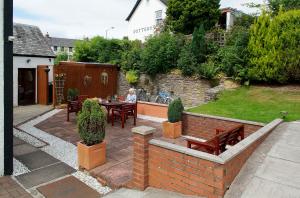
(202, 126)
(178, 172)
(152, 109)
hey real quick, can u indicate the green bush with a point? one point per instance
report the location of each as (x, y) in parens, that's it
(160, 53)
(91, 123)
(187, 61)
(61, 56)
(175, 110)
(132, 77)
(131, 58)
(72, 94)
(274, 47)
(207, 70)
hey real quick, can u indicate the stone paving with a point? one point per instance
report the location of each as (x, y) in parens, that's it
(11, 189)
(273, 169)
(117, 170)
(25, 113)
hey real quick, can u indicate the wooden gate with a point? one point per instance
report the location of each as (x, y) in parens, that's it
(42, 84)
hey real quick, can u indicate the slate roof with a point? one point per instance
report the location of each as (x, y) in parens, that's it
(30, 41)
(61, 42)
(137, 4)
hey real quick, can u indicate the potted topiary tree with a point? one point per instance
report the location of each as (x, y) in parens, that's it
(91, 127)
(173, 127)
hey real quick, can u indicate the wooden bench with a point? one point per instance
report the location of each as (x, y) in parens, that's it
(218, 144)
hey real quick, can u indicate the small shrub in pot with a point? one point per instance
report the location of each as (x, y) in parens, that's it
(91, 127)
(173, 127)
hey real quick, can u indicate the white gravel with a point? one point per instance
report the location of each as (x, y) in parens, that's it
(28, 138)
(61, 150)
(150, 118)
(19, 168)
(91, 182)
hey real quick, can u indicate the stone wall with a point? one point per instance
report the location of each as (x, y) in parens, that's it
(190, 90)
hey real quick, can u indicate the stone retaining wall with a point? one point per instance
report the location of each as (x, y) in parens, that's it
(190, 90)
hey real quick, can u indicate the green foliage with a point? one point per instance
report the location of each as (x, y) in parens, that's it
(160, 53)
(175, 110)
(61, 56)
(187, 61)
(132, 76)
(274, 47)
(233, 57)
(183, 16)
(276, 5)
(244, 20)
(208, 70)
(91, 123)
(99, 49)
(72, 94)
(131, 58)
(199, 45)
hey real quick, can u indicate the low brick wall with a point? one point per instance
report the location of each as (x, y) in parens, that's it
(152, 109)
(204, 126)
(191, 172)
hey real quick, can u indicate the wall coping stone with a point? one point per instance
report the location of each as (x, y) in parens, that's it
(226, 119)
(152, 103)
(227, 155)
(143, 130)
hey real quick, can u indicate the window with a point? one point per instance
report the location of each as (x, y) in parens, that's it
(55, 48)
(158, 17)
(62, 49)
(70, 49)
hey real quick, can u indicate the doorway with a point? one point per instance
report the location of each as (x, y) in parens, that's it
(26, 86)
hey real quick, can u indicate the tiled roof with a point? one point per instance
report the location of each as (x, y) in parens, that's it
(137, 4)
(29, 41)
(61, 42)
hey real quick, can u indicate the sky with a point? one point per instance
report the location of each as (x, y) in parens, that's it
(86, 18)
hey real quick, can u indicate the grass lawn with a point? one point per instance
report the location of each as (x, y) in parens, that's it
(260, 104)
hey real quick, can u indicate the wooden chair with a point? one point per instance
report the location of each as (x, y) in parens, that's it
(123, 113)
(73, 107)
(82, 98)
(217, 144)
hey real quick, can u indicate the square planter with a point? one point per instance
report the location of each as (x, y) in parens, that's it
(172, 130)
(90, 157)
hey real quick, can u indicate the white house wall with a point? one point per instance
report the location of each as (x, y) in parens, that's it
(21, 62)
(142, 22)
(1, 92)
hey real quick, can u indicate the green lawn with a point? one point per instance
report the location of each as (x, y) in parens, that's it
(258, 104)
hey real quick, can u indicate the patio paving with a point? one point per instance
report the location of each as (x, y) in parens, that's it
(11, 189)
(25, 113)
(118, 168)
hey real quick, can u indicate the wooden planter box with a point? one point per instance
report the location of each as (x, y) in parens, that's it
(90, 157)
(172, 130)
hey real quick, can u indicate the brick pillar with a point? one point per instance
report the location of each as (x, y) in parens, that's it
(141, 137)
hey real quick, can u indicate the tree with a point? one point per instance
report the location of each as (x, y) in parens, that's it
(274, 47)
(62, 56)
(160, 53)
(275, 5)
(199, 45)
(184, 15)
(131, 57)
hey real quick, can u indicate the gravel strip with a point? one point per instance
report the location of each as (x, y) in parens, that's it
(19, 168)
(150, 118)
(91, 182)
(28, 138)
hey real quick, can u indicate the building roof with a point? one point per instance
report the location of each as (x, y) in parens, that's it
(29, 41)
(137, 4)
(61, 42)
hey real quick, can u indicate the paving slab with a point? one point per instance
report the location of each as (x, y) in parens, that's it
(280, 171)
(286, 152)
(24, 113)
(265, 188)
(11, 189)
(69, 187)
(44, 175)
(17, 141)
(24, 149)
(37, 160)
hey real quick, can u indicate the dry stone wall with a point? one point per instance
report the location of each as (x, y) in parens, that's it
(190, 90)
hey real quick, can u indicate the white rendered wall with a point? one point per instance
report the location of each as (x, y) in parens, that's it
(21, 62)
(229, 20)
(1, 92)
(142, 22)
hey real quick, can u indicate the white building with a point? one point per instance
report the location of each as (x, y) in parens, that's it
(31, 50)
(147, 15)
